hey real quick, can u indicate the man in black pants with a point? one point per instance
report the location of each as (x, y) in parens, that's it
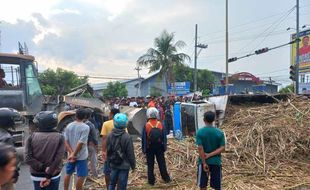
(154, 144)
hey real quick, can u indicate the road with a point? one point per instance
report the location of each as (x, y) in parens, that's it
(24, 181)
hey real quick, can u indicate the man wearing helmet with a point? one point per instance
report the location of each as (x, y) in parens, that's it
(7, 123)
(120, 153)
(154, 144)
(44, 152)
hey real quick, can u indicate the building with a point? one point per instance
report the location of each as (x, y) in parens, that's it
(130, 86)
(244, 82)
(156, 84)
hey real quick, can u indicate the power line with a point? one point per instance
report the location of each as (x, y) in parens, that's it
(107, 77)
(260, 51)
(275, 71)
(272, 30)
(249, 37)
(274, 23)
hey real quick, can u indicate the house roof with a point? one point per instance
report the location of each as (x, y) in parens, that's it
(101, 86)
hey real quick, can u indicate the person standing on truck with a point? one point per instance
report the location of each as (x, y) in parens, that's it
(92, 143)
(211, 143)
(105, 131)
(120, 153)
(154, 144)
(44, 152)
(76, 137)
(3, 83)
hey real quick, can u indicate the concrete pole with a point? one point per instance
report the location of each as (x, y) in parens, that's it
(195, 59)
(226, 82)
(297, 47)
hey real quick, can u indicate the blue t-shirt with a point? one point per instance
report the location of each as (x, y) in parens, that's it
(210, 138)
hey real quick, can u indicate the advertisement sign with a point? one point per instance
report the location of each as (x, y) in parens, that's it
(180, 88)
(304, 60)
(304, 51)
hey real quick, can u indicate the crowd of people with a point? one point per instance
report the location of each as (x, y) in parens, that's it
(46, 148)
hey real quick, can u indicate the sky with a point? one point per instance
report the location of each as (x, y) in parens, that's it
(106, 37)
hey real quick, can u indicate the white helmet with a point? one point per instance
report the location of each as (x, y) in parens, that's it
(152, 113)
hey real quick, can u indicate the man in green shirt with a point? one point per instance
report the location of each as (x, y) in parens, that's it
(211, 142)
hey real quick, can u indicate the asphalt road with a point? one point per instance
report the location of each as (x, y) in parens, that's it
(25, 183)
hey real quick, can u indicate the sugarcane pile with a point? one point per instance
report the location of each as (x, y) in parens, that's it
(181, 158)
(268, 147)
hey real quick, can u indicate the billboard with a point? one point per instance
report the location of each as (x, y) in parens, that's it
(180, 88)
(304, 60)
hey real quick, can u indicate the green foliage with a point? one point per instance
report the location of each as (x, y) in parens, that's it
(59, 82)
(164, 56)
(287, 89)
(206, 92)
(155, 91)
(205, 78)
(116, 89)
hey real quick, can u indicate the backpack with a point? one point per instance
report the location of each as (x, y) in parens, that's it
(155, 135)
(116, 152)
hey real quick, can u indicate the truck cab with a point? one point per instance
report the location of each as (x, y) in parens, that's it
(20, 90)
(19, 85)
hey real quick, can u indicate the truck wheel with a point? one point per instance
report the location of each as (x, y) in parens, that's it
(64, 122)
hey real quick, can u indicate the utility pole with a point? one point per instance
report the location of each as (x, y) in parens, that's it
(297, 47)
(195, 72)
(226, 81)
(138, 69)
(201, 46)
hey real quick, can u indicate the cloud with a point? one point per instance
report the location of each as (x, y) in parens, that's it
(13, 10)
(105, 37)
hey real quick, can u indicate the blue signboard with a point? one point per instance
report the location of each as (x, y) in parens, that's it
(180, 88)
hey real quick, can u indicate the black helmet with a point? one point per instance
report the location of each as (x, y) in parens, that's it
(46, 120)
(88, 112)
(8, 116)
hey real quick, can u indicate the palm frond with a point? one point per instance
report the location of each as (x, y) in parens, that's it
(180, 44)
(149, 57)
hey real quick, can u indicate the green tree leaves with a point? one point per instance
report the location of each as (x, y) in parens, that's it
(164, 56)
(59, 82)
(116, 89)
(205, 78)
(287, 89)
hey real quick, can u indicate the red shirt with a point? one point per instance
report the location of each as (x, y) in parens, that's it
(304, 50)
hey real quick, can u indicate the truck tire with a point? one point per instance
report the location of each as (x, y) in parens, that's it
(64, 122)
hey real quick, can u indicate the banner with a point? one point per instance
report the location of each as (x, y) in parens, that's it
(304, 60)
(304, 51)
(180, 88)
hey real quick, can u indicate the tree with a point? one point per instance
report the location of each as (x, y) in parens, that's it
(287, 89)
(205, 81)
(116, 89)
(59, 82)
(155, 91)
(164, 57)
(205, 78)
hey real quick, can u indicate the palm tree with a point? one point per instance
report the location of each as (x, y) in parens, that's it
(164, 57)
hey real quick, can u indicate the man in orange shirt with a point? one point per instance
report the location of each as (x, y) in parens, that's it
(154, 144)
(151, 102)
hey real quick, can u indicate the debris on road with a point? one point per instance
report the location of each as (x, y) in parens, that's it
(268, 147)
